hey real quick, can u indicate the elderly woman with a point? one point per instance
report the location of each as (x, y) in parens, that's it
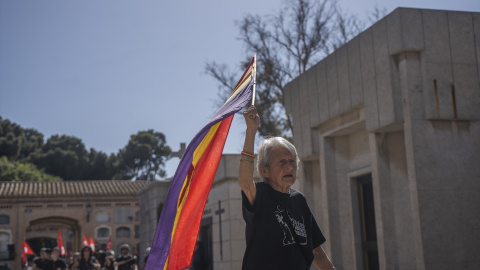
(281, 232)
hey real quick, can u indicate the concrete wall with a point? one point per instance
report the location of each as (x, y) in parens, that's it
(400, 101)
(151, 198)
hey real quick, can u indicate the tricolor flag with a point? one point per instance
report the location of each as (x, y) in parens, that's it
(179, 223)
(60, 243)
(92, 244)
(85, 240)
(26, 251)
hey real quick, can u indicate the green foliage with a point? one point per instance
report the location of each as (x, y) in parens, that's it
(25, 156)
(16, 142)
(144, 156)
(18, 171)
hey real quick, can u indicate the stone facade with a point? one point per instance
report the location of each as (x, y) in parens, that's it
(35, 210)
(388, 130)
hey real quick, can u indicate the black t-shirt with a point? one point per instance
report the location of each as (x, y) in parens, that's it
(131, 261)
(54, 265)
(270, 242)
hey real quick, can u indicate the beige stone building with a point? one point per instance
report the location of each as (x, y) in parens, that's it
(33, 211)
(388, 130)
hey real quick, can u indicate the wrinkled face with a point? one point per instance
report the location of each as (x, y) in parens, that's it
(282, 172)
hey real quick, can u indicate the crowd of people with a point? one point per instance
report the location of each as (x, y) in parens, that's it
(86, 259)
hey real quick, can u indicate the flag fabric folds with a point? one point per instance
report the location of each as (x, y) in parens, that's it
(60, 243)
(26, 251)
(179, 223)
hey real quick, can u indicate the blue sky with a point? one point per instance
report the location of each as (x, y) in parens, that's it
(104, 70)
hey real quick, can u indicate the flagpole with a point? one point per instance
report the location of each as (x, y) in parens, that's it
(255, 81)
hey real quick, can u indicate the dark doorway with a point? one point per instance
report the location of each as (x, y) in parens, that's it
(367, 222)
(40, 242)
(203, 256)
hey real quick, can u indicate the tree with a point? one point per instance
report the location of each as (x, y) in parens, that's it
(144, 156)
(18, 171)
(63, 156)
(17, 143)
(299, 35)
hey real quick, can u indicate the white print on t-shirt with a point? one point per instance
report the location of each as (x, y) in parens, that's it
(298, 226)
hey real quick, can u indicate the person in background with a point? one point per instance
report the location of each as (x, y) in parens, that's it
(55, 263)
(100, 256)
(87, 260)
(38, 262)
(125, 261)
(74, 261)
(109, 260)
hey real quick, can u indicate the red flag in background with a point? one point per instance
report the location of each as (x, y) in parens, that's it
(92, 244)
(109, 244)
(60, 243)
(26, 251)
(85, 240)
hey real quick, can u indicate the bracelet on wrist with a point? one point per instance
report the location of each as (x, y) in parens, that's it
(247, 154)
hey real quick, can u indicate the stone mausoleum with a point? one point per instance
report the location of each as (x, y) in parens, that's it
(388, 130)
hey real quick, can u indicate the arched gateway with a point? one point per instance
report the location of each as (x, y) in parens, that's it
(43, 232)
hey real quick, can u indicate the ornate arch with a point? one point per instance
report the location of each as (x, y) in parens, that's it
(70, 223)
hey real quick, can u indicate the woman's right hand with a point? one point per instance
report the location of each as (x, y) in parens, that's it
(252, 119)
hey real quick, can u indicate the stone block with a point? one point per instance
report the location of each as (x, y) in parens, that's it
(304, 116)
(296, 118)
(394, 31)
(369, 80)
(237, 227)
(322, 92)
(238, 250)
(354, 74)
(332, 85)
(476, 27)
(462, 40)
(345, 99)
(386, 105)
(235, 209)
(312, 102)
(469, 208)
(467, 91)
(412, 30)
(440, 220)
(437, 42)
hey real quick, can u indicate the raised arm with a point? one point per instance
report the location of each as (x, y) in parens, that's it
(245, 173)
